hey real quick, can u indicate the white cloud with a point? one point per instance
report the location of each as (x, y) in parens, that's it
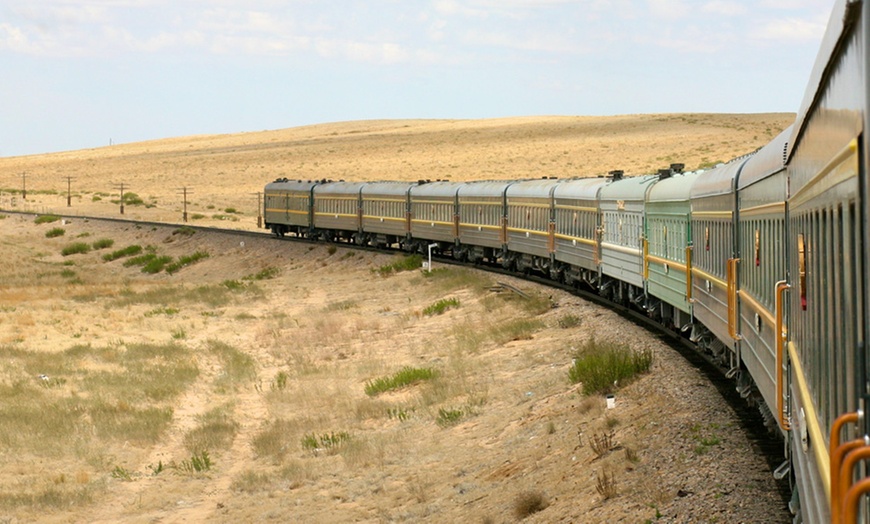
(668, 9)
(790, 30)
(724, 8)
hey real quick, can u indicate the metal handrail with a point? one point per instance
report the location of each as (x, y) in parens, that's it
(781, 287)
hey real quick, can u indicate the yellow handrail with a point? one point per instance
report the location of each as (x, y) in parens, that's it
(731, 275)
(781, 287)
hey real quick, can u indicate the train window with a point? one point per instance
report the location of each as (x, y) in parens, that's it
(757, 247)
(802, 271)
(707, 238)
(665, 240)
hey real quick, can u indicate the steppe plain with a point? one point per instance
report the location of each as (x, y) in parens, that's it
(113, 381)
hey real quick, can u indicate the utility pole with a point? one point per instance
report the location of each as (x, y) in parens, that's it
(121, 187)
(184, 191)
(24, 185)
(259, 210)
(69, 191)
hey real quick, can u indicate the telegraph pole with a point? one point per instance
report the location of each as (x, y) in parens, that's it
(24, 185)
(184, 191)
(121, 187)
(69, 191)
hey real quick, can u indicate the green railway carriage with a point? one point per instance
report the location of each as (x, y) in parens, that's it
(668, 245)
(287, 206)
(575, 208)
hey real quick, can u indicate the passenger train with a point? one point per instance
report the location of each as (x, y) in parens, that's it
(763, 261)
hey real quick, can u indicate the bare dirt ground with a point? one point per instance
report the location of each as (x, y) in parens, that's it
(114, 381)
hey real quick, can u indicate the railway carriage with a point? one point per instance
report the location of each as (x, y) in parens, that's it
(385, 215)
(530, 224)
(621, 252)
(668, 248)
(714, 284)
(433, 214)
(287, 206)
(575, 211)
(761, 192)
(826, 306)
(337, 213)
(482, 222)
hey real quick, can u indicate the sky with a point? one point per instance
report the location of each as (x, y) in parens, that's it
(82, 74)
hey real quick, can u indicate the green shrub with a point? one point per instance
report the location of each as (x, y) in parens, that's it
(186, 260)
(45, 219)
(184, 231)
(55, 232)
(264, 274)
(601, 367)
(132, 199)
(407, 263)
(156, 264)
(103, 243)
(441, 306)
(76, 248)
(326, 441)
(141, 260)
(121, 253)
(404, 377)
(449, 417)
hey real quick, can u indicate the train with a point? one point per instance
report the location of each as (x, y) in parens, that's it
(762, 261)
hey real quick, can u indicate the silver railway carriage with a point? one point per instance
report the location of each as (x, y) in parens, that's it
(337, 212)
(433, 214)
(713, 283)
(827, 251)
(760, 261)
(575, 211)
(530, 225)
(482, 221)
(287, 206)
(621, 252)
(385, 216)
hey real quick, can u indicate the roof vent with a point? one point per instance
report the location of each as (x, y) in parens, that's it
(677, 168)
(665, 173)
(616, 174)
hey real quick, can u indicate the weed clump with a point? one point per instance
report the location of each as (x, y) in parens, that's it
(55, 232)
(407, 263)
(76, 248)
(185, 261)
(46, 219)
(438, 308)
(122, 253)
(404, 377)
(601, 367)
(103, 243)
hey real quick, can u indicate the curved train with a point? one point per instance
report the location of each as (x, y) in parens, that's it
(763, 261)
